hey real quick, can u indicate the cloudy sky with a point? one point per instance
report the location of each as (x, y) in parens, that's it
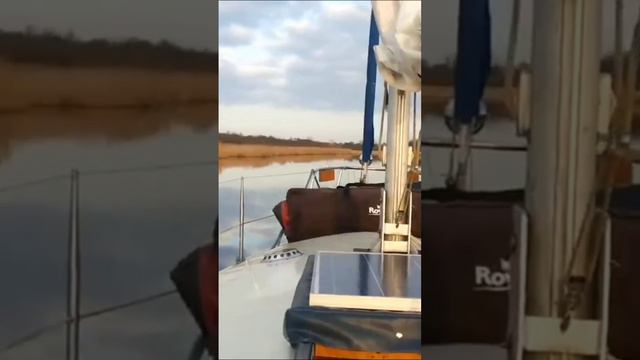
(294, 69)
(297, 69)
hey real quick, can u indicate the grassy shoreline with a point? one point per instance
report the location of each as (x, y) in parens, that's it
(436, 97)
(238, 146)
(25, 87)
(258, 151)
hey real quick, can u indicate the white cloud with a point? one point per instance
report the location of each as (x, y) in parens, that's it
(345, 11)
(298, 54)
(240, 34)
(302, 74)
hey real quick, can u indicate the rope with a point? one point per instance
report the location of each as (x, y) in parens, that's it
(438, 143)
(125, 305)
(264, 176)
(32, 182)
(511, 55)
(414, 169)
(417, 145)
(619, 60)
(415, 120)
(594, 223)
(385, 102)
(416, 135)
(150, 168)
(246, 222)
(228, 181)
(450, 180)
(276, 175)
(33, 335)
(631, 84)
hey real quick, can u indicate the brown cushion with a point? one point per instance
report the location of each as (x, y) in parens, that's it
(322, 212)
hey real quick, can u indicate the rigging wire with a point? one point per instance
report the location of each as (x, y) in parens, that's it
(385, 103)
(37, 333)
(593, 225)
(246, 222)
(263, 176)
(511, 55)
(414, 171)
(149, 168)
(619, 52)
(35, 182)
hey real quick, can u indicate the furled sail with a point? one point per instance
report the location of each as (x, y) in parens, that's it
(399, 56)
(474, 58)
(370, 94)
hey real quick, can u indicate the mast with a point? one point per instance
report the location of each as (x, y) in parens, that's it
(399, 60)
(396, 177)
(562, 151)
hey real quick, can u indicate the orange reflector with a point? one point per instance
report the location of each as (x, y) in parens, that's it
(327, 353)
(327, 175)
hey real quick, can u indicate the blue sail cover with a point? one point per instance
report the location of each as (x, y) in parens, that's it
(370, 93)
(474, 57)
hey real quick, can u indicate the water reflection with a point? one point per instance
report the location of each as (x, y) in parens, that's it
(261, 162)
(134, 226)
(110, 126)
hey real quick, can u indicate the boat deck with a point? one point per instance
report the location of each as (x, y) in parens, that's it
(257, 293)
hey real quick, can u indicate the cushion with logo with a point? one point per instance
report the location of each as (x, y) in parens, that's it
(465, 279)
(321, 212)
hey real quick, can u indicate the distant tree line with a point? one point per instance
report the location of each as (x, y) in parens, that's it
(235, 138)
(443, 74)
(47, 47)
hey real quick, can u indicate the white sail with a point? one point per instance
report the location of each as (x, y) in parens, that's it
(399, 56)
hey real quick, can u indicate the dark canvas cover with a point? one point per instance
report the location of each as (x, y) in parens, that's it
(624, 306)
(321, 212)
(624, 310)
(465, 250)
(359, 330)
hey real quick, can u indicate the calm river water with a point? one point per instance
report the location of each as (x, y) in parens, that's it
(134, 225)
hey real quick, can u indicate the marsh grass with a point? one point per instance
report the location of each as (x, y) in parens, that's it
(229, 151)
(27, 86)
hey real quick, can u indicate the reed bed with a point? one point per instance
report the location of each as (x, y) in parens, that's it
(228, 151)
(436, 97)
(26, 86)
(254, 162)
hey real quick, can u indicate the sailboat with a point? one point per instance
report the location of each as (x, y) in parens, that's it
(347, 281)
(544, 272)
